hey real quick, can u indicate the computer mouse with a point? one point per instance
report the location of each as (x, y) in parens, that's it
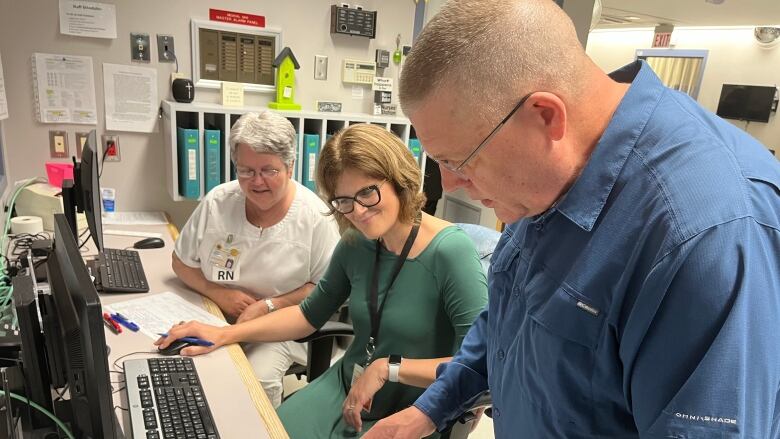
(149, 243)
(174, 348)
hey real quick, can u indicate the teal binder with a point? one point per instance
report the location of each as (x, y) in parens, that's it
(416, 148)
(213, 159)
(189, 162)
(311, 150)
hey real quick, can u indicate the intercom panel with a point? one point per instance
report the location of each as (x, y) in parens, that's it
(349, 21)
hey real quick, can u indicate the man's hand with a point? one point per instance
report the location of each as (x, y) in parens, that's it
(253, 311)
(232, 302)
(410, 423)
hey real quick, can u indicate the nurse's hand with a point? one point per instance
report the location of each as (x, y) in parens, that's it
(202, 331)
(232, 302)
(253, 311)
(409, 423)
(362, 392)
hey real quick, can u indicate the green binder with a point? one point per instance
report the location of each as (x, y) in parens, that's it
(189, 162)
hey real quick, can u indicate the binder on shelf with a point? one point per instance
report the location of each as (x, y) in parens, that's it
(416, 148)
(213, 159)
(311, 150)
(189, 162)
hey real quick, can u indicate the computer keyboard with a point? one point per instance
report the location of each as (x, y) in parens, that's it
(120, 271)
(166, 400)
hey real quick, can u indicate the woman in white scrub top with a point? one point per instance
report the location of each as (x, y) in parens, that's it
(260, 243)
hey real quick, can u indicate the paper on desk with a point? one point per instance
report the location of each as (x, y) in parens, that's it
(134, 218)
(156, 313)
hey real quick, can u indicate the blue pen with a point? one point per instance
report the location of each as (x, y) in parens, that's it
(125, 322)
(193, 340)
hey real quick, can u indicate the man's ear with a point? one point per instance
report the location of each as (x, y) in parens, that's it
(552, 111)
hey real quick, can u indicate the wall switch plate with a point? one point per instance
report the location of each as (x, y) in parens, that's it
(81, 139)
(165, 51)
(320, 67)
(111, 148)
(139, 47)
(58, 144)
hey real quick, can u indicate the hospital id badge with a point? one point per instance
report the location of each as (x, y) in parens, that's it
(224, 264)
(357, 372)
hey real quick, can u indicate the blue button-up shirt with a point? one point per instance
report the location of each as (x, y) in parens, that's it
(647, 302)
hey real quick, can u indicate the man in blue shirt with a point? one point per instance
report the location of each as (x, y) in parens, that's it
(637, 292)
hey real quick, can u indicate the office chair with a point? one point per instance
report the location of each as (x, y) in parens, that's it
(321, 341)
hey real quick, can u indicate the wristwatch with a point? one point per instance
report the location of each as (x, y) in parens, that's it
(394, 366)
(270, 304)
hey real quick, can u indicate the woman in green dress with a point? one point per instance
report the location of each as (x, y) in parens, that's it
(414, 285)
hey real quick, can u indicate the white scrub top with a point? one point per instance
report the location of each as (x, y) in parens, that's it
(265, 262)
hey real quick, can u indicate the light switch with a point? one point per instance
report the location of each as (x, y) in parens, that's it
(58, 144)
(320, 67)
(165, 52)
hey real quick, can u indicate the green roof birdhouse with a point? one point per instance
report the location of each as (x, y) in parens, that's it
(286, 65)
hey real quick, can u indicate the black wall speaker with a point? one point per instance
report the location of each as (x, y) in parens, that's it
(183, 90)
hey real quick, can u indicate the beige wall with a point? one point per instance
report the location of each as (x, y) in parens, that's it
(32, 26)
(734, 58)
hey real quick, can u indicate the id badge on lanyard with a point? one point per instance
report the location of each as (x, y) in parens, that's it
(374, 308)
(224, 260)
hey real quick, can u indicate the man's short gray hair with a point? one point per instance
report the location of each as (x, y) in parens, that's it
(490, 53)
(265, 132)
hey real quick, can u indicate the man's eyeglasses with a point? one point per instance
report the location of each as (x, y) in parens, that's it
(247, 173)
(458, 169)
(369, 196)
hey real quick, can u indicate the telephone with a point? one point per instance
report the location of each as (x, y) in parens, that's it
(358, 72)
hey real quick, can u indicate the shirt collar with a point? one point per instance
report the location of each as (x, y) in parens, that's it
(585, 200)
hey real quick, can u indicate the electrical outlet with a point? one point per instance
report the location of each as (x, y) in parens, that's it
(81, 139)
(111, 148)
(139, 47)
(320, 67)
(165, 52)
(58, 144)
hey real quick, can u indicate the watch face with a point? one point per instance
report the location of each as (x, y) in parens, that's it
(394, 359)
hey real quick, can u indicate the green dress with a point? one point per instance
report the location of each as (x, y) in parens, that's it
(432, 304)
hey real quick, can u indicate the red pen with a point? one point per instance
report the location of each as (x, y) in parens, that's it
(112, 325)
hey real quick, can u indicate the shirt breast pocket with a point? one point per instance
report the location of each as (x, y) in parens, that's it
(569, 315)
(560, 350)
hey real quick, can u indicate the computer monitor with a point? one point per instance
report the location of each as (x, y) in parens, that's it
(83, 193)
(73, 338)
(746, 102)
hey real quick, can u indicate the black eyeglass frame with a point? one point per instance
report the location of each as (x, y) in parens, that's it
(458, 170)
(375, 187)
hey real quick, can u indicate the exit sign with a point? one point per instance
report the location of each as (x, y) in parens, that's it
(662, 39)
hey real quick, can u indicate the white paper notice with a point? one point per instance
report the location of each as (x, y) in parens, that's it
(131, 98)
(64, 89)
(155, 314)
(3, 101)
(87, 19)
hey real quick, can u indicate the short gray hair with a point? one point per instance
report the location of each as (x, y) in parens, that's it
(493, 52)
(265, 132)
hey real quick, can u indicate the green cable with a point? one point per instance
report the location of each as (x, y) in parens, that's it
(6, 293)
(49, 414)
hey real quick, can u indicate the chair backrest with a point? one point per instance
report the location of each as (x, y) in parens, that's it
(485, 240)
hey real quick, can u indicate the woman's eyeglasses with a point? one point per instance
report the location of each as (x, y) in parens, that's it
(247, 173)
(369, 196)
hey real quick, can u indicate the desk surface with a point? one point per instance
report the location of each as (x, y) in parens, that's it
(238, 403)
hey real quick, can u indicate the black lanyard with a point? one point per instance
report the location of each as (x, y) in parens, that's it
(376, 313)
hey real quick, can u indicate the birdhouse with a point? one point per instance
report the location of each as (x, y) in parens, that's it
(286, 65)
